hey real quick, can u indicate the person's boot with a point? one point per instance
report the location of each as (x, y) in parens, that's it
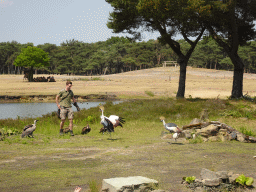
(71, 133)
(61, 132)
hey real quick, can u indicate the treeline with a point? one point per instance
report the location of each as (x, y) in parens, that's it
(119, 54)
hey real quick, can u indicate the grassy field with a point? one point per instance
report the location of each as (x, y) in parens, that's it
(49, 162)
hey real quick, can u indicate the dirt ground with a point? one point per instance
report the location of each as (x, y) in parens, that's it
(165, 161)
(203, 83)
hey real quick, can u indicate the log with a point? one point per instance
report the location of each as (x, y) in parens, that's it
(192, 126)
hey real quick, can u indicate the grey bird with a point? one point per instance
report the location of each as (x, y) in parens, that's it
(29, 129)
(172, 127)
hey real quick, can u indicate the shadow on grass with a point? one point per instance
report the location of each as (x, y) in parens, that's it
(114, 139)
(171, 143)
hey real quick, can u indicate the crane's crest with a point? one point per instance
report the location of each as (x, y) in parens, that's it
(162, 118)
(101, 107)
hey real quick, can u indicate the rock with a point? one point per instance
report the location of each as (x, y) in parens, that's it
(187, 134)
(232, 177)
(222, 137)
(240, 137)
(207, 174)
(252, 139)
(199, 189)
(205, 139)
(211, 182)
(223, 132)
(213, 138)
(232, 135)
(127, 184)
(195, 121)
(223, 175)
(208, 131)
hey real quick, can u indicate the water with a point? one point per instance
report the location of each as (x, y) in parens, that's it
(33, 110)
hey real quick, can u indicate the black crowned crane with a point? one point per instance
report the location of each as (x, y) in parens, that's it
(29, 129)
(86, 130)
(109, 123)
(172, 127)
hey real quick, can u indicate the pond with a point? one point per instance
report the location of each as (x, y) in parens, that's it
(33, 110)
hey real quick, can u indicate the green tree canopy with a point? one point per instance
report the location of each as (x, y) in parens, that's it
(230, 23)
(168, 17)
(32, 57)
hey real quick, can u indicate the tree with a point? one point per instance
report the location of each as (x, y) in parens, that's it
(230, 23)
(164, 16)
(32, 57)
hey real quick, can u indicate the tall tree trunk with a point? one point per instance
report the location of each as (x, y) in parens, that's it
(237, 89)
(182, 79)
(30, 75)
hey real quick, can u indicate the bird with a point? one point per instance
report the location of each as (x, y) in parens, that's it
(116, 120)
(86, 130)
(29, 129)
(66, 130)
(103, 130)
(109, 123)
(172, 127)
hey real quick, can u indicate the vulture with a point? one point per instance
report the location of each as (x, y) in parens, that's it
(109, 123)
(29, 129)
(172, 127)
(86, 130)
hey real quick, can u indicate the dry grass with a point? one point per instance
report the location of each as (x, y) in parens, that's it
(161, 82)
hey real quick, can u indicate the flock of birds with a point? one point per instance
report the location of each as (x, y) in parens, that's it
(109, 125)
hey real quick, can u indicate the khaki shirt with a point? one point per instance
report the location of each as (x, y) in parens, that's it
(66, 102)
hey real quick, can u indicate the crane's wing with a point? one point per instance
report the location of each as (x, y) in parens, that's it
(172, 127)
(110, 126)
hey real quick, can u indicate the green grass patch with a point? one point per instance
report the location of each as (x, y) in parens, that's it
(149, 93)
(50, 162)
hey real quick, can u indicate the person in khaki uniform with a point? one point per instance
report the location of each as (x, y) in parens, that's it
(63, 101)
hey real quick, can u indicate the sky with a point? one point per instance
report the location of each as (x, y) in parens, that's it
(55, 21)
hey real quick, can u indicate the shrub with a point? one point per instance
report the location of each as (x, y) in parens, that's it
(244, 181)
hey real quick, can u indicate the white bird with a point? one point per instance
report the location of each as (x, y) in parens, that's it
(110, 122)
(29, 129)
(172, 127)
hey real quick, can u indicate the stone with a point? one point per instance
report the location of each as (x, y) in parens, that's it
(223, 132)
(224, 138)
(211, 182)
(207, 174)
(213, 138)
(187, 134)
(232, 135)
(208, 131)
(252, 139)
(232, 177)
(240, 137)
(199, 189)
(223, 175)
(195, 121)
(121, 184)
(205, 139)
